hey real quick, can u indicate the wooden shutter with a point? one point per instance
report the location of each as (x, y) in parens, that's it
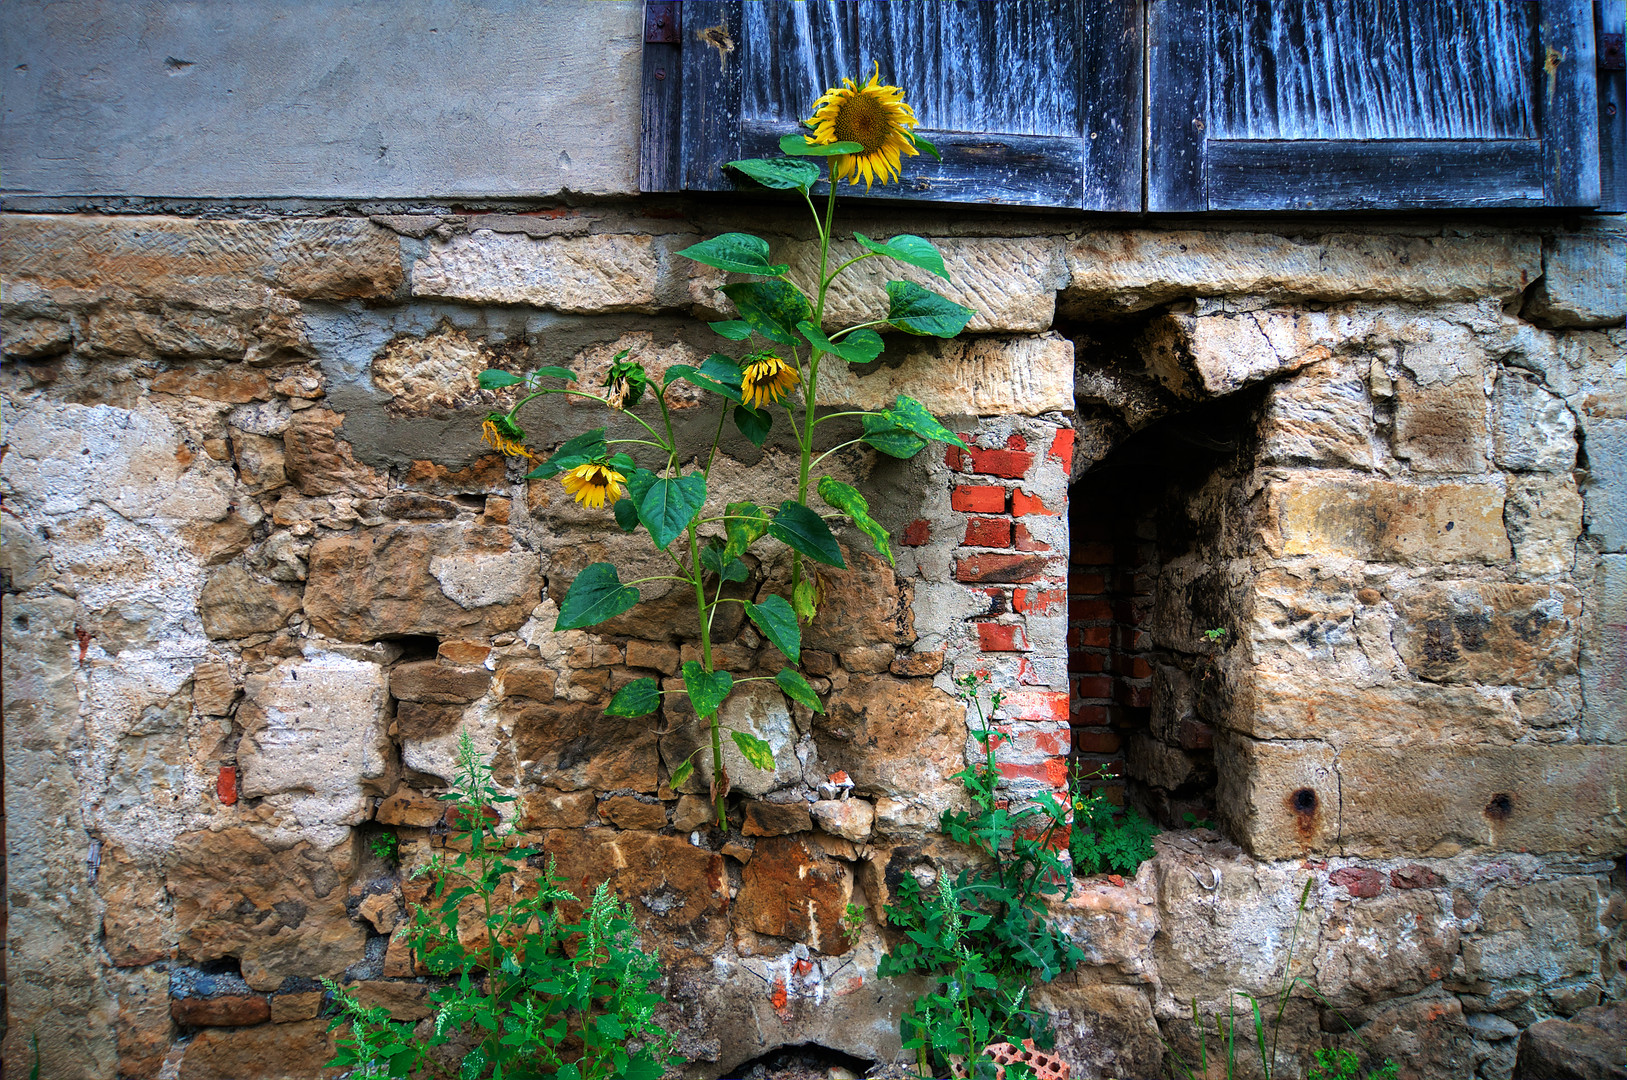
(1371, 104)
(1032, 103)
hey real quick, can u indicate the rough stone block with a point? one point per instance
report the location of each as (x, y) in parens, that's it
(851, 819)
(570, 746)
(1548, 931)
(1218, 353)
(1543, 516)
(679, 893)
(295, 1051)
(758, 708)
(318, 462)
(438, 682)
(1282, 703)
(137, 924)
(630, 812)
(579, 275)
(1583, 283)
(1386, 521)
(1321, 416)
(1591, 1045)
(1441, 428)
(791, 891)
(894, 738)
(1280, 798)
(1489, 633)
(1161, 765)
(1604, 653)
(557, 809)
(775, 819)
(1535, 430)
(228, 1010)
(1385, 946)
(975, 376)
(1606, 493)
(1107, 1030)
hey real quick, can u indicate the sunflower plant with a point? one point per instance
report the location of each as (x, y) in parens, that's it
(857, 132)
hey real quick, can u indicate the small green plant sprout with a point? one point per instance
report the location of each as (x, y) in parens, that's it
(529, 991)
(1193, 821)
(1340, 1064)
(1215, 634)
(386, 846)
(852, 922)
(1106, 839)
(645, 479)
(982, 934)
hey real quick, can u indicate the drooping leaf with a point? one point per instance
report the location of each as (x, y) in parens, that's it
(638, 698)
(840, 496)
(621, 463)
(797, 146)
(922, 143)
(920, 311)
(754, 424)
(580, 450)
(688, 374)
(805, 531)
(778, 622)
(733, 329)
(597, 594)
(911, 415)
(778, 173)
(712, 557)
(881, 432)
(797, 689)
(738, 253)
(492, 379)
(706, 689)
(859, 347)
(744, 522)
(914, 250)
(668, 505)
(626, 514)
(681, 773)
(805, 599)
(773, 308)
(755, 750)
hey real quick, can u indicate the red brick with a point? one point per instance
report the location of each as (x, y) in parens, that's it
(1036, 706)
(226, 785)
(1009, 464)
(1088, 716)
(1089, 610)
(1095, 742)
(1095, 637)
(1135, 667)
(1087, 662)
(988, 532)
(999, 601)
(1061, 450)
(1001, 569)
(1025, 541)
(917, 533)
(1194, 735)
(1038, 602)
(1023, 503)
(1086, 584)
(1094, 553)
(956, 458)
(1053, 772)
(978, 499)
(1135, 695)
(1001, 637)
(1016, 442)
(1095, 686)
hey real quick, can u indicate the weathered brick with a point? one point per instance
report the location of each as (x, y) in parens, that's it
(1061, 450)
(226, 785)
(1024, 504)
(917, 533)
(978, 499)
(988, 532)
(1001, 637)
(1007, 464)
(1095, 686)
(1090, 741)
(1035, 706)
(1038, 601)
(1023, 540)
(995, 568)
(1080, 610)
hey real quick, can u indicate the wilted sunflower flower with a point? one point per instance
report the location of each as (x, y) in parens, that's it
(874, 116)
(767, 379)
(625, 383)
(502, 433)
(593, 484)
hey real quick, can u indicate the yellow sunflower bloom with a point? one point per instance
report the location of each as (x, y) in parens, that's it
(767, 379)
(874, 116)
(593, 484)
(501, 433)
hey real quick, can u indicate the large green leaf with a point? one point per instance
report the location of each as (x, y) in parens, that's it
(733, 329)
(755, 750)
(773, 308)
(626, 512)
(881, 432)
(915, 310)
(797, 688)
(744, 522)
(724, 370)
(908, 249)
(597, 594)
(798, 146)
(754, 424)
(779, 173)
(666, 506)
(706, 689)
(687, 374)
(638, 698)
(736, 252)
(586, 447)
(492, 379)
(911, 415)
(803, 530)
(778, 623)
(859, 347)
(847, 499)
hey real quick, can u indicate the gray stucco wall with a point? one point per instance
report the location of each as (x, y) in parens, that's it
(222, 98)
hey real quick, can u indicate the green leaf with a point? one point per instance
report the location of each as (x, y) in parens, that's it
(779, 173)
(733, 329)
(720, 368)
(584, 448)
(797, 689)
(805, 531)
(778, 623)
(882, 433)
(798, 146)
(754, 424)
(911, 415)
(667, 506)
(626, 514)
(755, 750)
(859, 347)
(638, 698)
(597, 594)
(691, 375)
(712, 557)
(681, 773)
(921, 143)
(840, 496)
(706, 689)
(738, 253)
(915, 310)
(773, 308)
(745, 522)
(914, 250)
(557, 373)
(492, 379)
(805, 599)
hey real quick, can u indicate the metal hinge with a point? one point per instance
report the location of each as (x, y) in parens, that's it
(661, 22)
(1610, 53)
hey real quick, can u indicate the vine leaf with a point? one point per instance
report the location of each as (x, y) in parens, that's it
(597, 594)
(706, 689)
(773, 308)
(920, 311)
(904, 428)
(738, 253)
(727, 569)
(626, 512)
(797, 689)
(914, 250)
(638, 698)
(804, 531)
(755, 750)
(746, 521)
(778, 623)
(843, 497)
(681, 773)
(666, 506)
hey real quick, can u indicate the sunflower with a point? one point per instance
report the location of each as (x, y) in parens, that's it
(593, 484)
(767, 379)
(874, 116)
(502, 433)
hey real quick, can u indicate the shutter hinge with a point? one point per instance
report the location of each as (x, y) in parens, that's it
(661, 22)
(1610, 53)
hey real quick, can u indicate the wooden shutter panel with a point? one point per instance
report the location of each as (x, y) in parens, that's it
(1371, 104)
(1031, 102)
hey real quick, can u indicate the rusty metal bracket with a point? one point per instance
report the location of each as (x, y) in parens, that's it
(661, 22)
(1611, 57)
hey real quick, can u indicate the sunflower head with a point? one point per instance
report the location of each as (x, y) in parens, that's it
(625, 383)
(874, 116)
(766, 379)
(593, 484)
(500, 432)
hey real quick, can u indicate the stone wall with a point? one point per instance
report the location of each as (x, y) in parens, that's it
(260, 572)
